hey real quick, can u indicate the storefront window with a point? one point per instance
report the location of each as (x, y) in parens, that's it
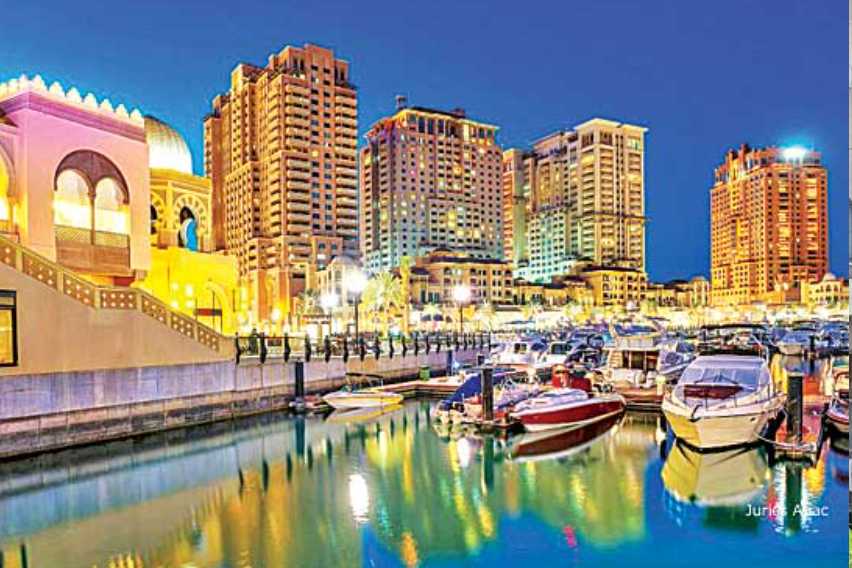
(8, 329)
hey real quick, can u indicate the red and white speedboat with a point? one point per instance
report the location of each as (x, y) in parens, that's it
(567, 407)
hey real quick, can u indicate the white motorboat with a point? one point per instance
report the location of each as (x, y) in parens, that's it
(349, 397)
(637, 360)
(797, 341)
(723, 401)
(520, 353)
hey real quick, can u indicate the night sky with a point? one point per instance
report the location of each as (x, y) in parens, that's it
(701, 76)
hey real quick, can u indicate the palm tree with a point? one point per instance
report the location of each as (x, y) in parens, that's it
(485, 315)
(307, 304)
(405, 278)
(531, 310)
(384, 292)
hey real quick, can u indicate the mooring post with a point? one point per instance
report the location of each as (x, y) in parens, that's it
(795, 406)
(299, 403)
(487, 397)
(480, 359)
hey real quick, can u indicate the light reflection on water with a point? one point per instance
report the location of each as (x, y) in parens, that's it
(400, 491)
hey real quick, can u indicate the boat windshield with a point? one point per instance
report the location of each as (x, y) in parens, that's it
(520, 348)
(746, 372)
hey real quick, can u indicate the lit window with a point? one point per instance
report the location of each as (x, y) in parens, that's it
(110, 213)
(71, 203)
(8, 329)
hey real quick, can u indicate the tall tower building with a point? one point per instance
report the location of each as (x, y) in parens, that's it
(514, 206)
(430, 179)
(769, 224)
(585, 200)
(280, 150)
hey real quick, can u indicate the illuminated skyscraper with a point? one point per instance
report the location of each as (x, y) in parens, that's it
(584, 193)
(280, 149)
(769, 224)
(430, 179)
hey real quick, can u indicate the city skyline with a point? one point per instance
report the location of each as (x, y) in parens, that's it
(612, 80)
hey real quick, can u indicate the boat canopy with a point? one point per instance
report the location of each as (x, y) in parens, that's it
(748, 372)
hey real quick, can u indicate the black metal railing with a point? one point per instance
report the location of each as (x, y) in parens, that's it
(287, 347)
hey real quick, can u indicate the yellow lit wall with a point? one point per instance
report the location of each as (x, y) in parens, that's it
(188, 280)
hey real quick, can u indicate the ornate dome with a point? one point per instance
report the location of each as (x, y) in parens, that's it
(166, 148)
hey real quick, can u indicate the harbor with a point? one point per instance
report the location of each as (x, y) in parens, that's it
(232, 493)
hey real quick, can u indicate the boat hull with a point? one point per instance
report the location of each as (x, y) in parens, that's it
(576, 415)
(838, 420)
(362, 400)
(719, 431)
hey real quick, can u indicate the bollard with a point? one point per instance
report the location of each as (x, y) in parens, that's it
(487, 396)
(287, 349)
(238, 353)
(404, 347)
(795, 406)
(307, 349)
(345, 349)
(449, 360)
(327, 346)
(299, 403)
(390, 346)
(362, 349)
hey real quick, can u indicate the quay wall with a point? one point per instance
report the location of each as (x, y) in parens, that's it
(42, 412)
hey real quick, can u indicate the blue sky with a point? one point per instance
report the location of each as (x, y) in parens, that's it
(702, 76)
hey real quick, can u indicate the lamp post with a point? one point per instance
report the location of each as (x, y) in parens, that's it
(328, 302)
(461, 295)
(356, 283)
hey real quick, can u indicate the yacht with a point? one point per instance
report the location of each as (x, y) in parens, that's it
(797, 340)
(524, 352)
(563, 353)
(723, 401)
(638, 357)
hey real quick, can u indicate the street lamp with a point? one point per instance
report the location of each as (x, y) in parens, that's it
(328, 302)
(461, 295)
(356, 282)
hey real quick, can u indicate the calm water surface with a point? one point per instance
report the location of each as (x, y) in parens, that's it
(398, 490)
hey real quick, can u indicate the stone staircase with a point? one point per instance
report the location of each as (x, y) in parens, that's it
(98, 297)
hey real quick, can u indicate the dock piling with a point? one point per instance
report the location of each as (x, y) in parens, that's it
(487, 397)
(299, 370)
(795, 406)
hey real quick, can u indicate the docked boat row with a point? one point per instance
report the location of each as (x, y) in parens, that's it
(714, 387)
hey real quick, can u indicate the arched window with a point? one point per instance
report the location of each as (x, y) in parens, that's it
(71, 206)
(5, 209)
(111, 215)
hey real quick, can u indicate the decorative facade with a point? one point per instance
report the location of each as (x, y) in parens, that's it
(74, 179)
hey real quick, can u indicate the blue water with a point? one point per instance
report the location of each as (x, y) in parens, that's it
(398, 490)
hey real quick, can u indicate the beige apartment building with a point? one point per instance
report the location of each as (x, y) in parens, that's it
(280, 150)
(769, 225)
(583, 192)
(430, 179)
(435, 276)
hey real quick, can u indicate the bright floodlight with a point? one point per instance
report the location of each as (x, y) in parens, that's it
(794, 153)
(461, 294)
(356, 281)
(328, 301)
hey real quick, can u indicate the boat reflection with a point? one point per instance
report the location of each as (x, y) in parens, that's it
(561, 443)
(730, 478)
(360, 414)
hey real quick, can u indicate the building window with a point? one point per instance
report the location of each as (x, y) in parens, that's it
(5, 210)
(8, 329)
(71, 206)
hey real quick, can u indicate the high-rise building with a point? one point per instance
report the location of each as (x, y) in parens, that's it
(514, 206)
(280, 150)
(769, 224)
(584, 200)
(430, 179)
